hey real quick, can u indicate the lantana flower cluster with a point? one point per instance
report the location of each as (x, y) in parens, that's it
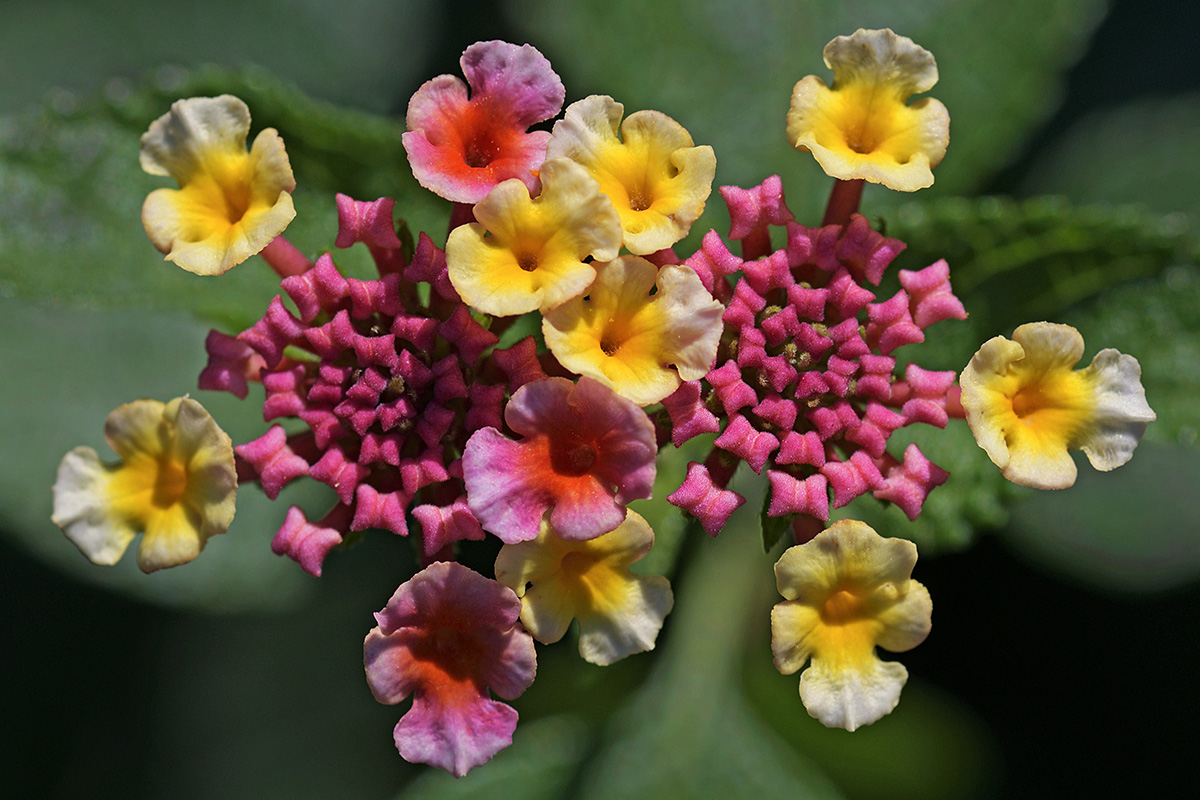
(396, 393)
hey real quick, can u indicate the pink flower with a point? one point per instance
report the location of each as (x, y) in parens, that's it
(459, 147)
(448, 635)
(586, 452)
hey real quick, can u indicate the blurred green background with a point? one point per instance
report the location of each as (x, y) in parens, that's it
(1063, 650)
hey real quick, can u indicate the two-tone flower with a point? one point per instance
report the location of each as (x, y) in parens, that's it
(639, 330)
(1027, 405)
(558, 579)
(230, 203)
(863, 127)
(648, 166)
(846, 592)
(175, 482)
(446, 637)
(462, 142)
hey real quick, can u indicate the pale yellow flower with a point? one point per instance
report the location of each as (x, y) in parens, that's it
(1027, 405)
(230, 203)
(558, 580)
(847, 591)
(176, 482)
(529, 253)
(648, 166)
(640, 329)
(863, 127)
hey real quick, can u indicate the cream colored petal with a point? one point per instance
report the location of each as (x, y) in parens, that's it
(849, 697)
(1040, 465)
(546, 612)
(630, 622)
(882, 57)
(1120, 414)
(793, 632)
(178, 142)
(848, 554)
(172, 538)
(81, 508)
(1049, 346)
(533, 561)
(907, 620)
(587, 128)
(207, 452)
(985, 385)
(696, 321)
(135, 429)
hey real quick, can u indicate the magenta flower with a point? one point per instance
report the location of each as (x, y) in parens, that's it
(805, 377)
(585, 454)
(446, 637)
(459, 147)
(389, 386)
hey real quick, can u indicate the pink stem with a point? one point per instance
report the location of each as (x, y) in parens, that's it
(284, 258)
(843, 202)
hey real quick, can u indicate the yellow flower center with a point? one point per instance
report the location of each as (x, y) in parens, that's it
(1053, 405)
(170, 484)
(841, 608)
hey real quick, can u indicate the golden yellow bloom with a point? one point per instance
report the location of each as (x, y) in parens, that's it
(526, 254)
(176, 481)
(655, 176)
(230, 204)
(862, 127)
(847, 591)
(1027, 406)
(640, 329)
(619, 613)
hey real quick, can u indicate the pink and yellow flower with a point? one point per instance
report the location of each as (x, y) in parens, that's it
(640, 329)
(448, 635)
(459, 147)
(1027, 405)
(527, 253)
(558, 580)
(230, 204)
(847, 591)
(863, 127)
(656, 177)
(176, 482)
(585, 454)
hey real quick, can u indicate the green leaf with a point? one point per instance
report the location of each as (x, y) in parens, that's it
(65, 371)
(1143, 152)
(726, 71)
(1015, 262)
(356, 51)
(70, 216)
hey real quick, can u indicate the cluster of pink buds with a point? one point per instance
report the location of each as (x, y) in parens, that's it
(389, 386)
(804, 385)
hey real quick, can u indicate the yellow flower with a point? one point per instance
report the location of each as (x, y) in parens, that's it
(526, 254)
(652, 172)
(847, 591)
(862, 128)
(639, 330)
(176, 481)
(558, 580)
(1027, 406)
(230, 203)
